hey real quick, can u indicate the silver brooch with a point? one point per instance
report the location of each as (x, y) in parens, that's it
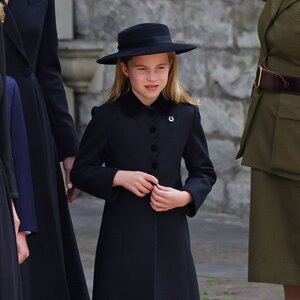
(171, 119)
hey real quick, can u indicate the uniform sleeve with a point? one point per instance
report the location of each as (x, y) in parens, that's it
(49, 76)
(201, 174)
(25, 205)
(89, 173)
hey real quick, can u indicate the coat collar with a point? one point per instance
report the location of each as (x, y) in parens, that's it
(131, 105)
(10, 27)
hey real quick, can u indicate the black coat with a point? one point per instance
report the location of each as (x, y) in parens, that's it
(9, 269)
(143, 254)
(53, 270)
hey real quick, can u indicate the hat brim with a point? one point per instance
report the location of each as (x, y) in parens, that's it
(161, 48)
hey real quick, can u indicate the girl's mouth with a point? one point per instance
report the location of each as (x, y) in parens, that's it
(151, 87)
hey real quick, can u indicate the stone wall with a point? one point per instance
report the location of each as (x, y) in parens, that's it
(220, 71)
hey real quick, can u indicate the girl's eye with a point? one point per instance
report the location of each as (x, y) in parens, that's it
(161, 67)
(141, 68)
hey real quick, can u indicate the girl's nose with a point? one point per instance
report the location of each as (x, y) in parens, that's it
(151, 75)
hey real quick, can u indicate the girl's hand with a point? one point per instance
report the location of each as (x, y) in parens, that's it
(23, 251)
(137, 182)
(165, 198)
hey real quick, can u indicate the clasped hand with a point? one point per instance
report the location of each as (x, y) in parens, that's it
(162, 198)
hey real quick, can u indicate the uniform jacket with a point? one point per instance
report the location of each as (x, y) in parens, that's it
(271, 137)
(143, 254)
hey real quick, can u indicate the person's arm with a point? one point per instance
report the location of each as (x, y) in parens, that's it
(25, 203)
(22, 247)
(5, 143)
(48, 72)
(201, 173)
(50, 78)
(137, 182)
(164, 198)
(88, 172)
(104, 182)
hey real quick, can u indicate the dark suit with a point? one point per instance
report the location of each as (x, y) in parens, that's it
(53, 270)
(9, 269)
(143, 254)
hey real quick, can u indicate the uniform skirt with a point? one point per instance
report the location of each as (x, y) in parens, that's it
(274, 237)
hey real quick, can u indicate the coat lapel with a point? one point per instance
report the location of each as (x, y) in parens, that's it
(285, 4)
(11, 30)
(278, 6)
(275, 6)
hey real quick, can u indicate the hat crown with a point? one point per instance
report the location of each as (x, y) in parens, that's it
(142, 35)
(144, 39)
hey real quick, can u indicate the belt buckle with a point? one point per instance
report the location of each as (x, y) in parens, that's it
(258, 76)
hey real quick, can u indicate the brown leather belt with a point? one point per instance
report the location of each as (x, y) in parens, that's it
(275, 82)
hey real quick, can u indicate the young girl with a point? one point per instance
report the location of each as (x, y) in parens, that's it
(130, 156)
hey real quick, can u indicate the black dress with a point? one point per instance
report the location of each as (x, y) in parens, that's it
(54, 269)
(9, 270)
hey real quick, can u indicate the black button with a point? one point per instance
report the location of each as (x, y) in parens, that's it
(152, 129)
(154, 165)
(153, 148)
(27, 72)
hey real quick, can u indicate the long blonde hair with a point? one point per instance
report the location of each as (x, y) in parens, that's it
(2, 13)
(173, 91)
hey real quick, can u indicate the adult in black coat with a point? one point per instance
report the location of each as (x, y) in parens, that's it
(54, 269)
(9, 270)
(130, 156)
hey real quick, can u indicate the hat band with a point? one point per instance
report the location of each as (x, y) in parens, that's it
(153, 41)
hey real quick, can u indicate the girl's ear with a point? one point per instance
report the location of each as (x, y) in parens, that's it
(124, 69)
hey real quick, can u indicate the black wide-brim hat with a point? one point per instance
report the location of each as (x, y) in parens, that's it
(144, 39)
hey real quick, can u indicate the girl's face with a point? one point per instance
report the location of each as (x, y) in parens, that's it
(148, 75)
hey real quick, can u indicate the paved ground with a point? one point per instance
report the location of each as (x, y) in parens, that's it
(219, 245)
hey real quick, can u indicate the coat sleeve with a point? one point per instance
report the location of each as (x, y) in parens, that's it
(201, 174)
(48, 72)
(89, 173)
(25, 205)
(5, 144)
